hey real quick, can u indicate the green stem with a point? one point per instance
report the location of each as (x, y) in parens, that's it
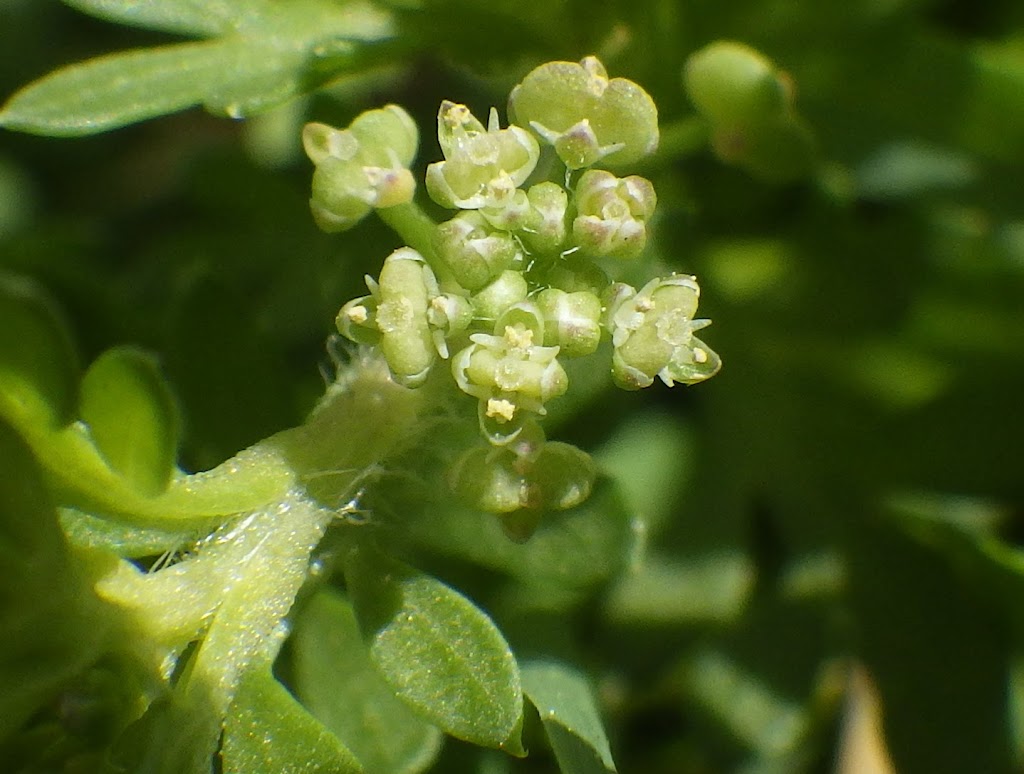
(415, 227)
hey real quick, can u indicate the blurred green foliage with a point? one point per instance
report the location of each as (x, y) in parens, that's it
(847, 490)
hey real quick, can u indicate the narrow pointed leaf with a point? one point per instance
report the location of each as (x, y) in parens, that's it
(38, 366)
(118, 89)
(202, 17)
(341, 687)
(565, 703)
(267, 730)
(272, 52)
(440, 653)
(131, 417)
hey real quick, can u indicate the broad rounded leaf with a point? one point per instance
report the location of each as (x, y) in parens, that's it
(440, 653)
(267, 730)
(565, 703)
(38, 366)
(340, 686)
(131, 417)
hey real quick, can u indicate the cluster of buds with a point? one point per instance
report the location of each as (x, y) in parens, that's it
(522, 277)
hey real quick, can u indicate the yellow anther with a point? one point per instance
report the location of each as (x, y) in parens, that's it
(501, 409)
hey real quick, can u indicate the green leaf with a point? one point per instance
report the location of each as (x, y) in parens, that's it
(118, 89)
(650, 458)
(340, 686)
(440, 653)
(132, 417)
(271, 53)
(203, 17)
(565, 703)
(88, 531)
(267, 730)
(50, 618)
(38, 366)
(708, 586)
(571, 549)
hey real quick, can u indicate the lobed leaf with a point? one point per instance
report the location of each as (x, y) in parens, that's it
(340, 686)
(565, 703)
(132, 417)
(440, 653)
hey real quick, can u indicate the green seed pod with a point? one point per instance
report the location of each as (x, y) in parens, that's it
(584, 115)
(612, 214)
(572, 321)
(652, 334)
(485, 477)
(475, 253)
(482, 167)
(521, 488)
(733, 85)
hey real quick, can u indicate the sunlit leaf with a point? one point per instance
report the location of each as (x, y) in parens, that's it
(119, 89)
(440, 653)
(189, 16)
(339, 684)
(271, 53)
(132, 417)
(565, 702)
(267, 730)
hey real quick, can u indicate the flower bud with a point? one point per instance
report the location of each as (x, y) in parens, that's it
(543, 229)
(733, 85)
(482, 167)
(652, 334)
(612, 213)
(572, 321)
(407, 316)
(406, 339)
(493, 300)
(475, 253)
(584, 115)
(362, 167)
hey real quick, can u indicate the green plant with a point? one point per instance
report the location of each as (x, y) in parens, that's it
(481, 549)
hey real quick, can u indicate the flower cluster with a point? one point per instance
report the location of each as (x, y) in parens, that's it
(522, 276)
